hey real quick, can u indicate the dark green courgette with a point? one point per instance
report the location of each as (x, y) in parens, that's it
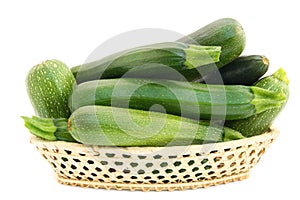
(192, 100)
(260, 123)
(147, 61)
(244, 70)
(111, 126)
(227, 33)
(49, 86)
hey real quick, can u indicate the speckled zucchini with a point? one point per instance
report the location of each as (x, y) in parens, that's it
(49, 86)
(111, 126)
(260, 123)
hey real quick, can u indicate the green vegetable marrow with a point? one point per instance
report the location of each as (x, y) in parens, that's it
(192, 100)
(260, 123)
(227, 33)
(244, 70)
(49, 86)
(111, 126)
(147, 61)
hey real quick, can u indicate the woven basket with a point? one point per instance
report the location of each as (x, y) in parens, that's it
(154, 168)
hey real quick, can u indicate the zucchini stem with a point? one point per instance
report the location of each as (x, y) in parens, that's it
(49, 128)
(281, 75)
(196, 55)
(265, 99)
(230, 134)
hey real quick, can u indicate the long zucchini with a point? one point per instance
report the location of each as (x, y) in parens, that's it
(111, 126)
(148, 61)
(49, 86)
(260, 123)
(192, 100)
(245, 70)
(226, 33)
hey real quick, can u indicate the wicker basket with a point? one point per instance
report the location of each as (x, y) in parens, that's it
(154, 168)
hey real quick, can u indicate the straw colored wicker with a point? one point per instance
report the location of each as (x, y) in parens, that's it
(154, 168)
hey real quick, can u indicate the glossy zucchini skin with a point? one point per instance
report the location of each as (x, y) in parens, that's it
(112, 126)
(245, 70)
(148, 61)
(260, 123)
(226, 33)
(192, 100)
(49, 86)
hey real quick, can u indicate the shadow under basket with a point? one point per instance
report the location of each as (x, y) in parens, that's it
(154, 168)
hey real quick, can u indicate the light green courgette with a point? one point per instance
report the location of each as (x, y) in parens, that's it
(49, 86)
(260, 123)
(111, 126)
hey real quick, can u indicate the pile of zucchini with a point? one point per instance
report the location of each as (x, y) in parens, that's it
(196, 90)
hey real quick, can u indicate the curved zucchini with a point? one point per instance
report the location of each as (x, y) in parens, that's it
(111, 126)
(244, 70)
(192, 100)
(147, 61)
(260, 123)
(49, 86)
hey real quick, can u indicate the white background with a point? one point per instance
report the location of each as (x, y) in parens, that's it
(33, 31)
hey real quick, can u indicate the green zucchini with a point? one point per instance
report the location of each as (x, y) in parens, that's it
(227, 33)
(260, 123)
(111, 126)
(147, 61)
(244, 70)
(192, 100)
(49, 86)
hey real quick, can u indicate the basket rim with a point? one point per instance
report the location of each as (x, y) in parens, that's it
(272, 134)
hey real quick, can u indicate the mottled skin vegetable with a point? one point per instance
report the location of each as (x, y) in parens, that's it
(260, 123)
(227, 33)
(147, 61)
(49, 86)
(192, 100)
(111, 126)
(244, 70)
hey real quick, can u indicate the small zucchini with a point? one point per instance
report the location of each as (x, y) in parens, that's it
(49, 86)
(111, 126)
(192, 100)
(148, 61)
(260, 123)
(244, 70)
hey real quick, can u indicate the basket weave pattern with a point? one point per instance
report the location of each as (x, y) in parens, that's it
(154, 168)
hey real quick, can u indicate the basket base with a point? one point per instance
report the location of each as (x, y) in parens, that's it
(154, 187)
